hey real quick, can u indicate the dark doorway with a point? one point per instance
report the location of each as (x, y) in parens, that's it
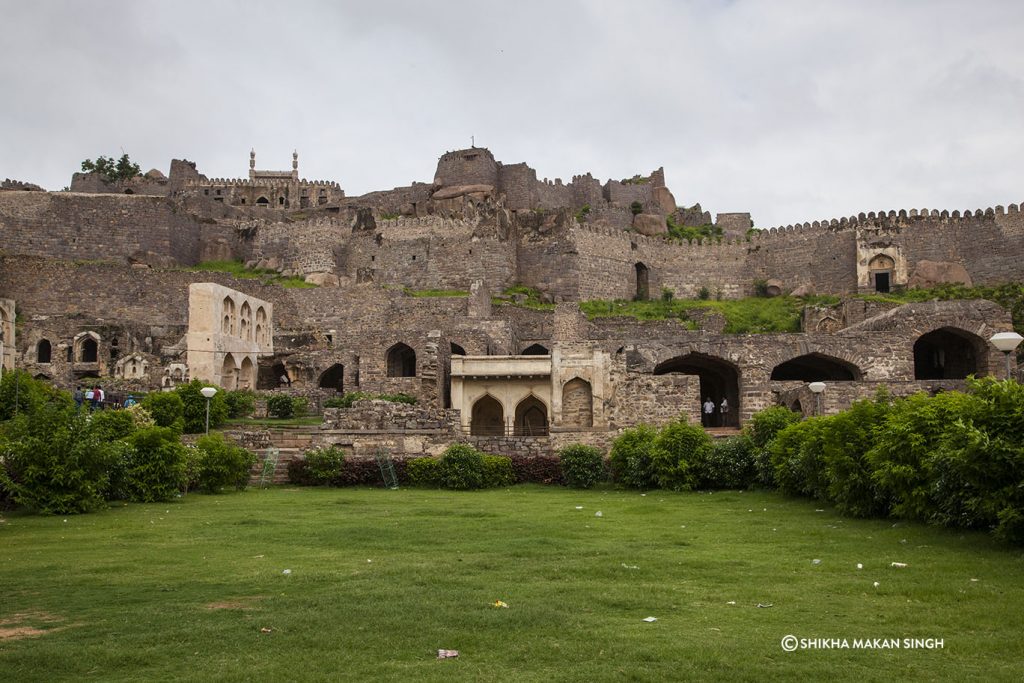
(90, 350)
(816, 367)
(948, 353)
(643, 290)
(719, 381)
(531, 417)
(333, 378)
(43, 351)
(882, 282)
(457, 350)
(535, 350)
(488, 418)
(401, 361)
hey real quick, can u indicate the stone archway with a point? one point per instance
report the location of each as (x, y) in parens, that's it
(487, 417)
(229, 373)
(247, 374)
(816, 367)
(401, 361)
(949, 353)
(531, 417)
(719, 381)
(43, 351)
(535, 350)
(333, 378)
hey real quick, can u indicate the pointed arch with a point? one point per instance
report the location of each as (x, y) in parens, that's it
(263, 202)
(247, 374)
(535, 350)
(228, 323)
(456, 349)
(643, 287)
(333, 378)
(89, 350)
(229, 372)
(401, 361)
(577, 403)
(531, 417)
(487, 417)
(245, 322)
(719, 381)
(816, 367)
(949, 353)
(44, 351)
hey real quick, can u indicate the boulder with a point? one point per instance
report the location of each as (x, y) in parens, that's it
(930, 273)
(662, 196)
(803, 290)
(323, 279)
(649, 224)
(460, 190)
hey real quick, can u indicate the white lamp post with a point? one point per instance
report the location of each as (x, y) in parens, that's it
(817, 388)
(1006, 342)
(209, 393)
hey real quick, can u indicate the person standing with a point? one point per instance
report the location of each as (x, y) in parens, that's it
(79, 396)
(89, 395)
(724, 411)
(709, 412)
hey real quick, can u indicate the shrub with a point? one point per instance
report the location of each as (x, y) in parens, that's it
(155, 468)
(797, 454)
(667, 294)
(632, 456)
(847, 438)
(111, 425)
(423, 471)
(462, 468)
(192, 465)
(240, 403)
(497, 471)
(703, 293)
(582, 466)
(324, 465)
(280, 406)
(194, 407)
(680, 456)
(223, 464)
(30, 394)
(167, 409)
(730, 464)
(762, 430)
(636, 208)
(536, 469)
(298, 473)
(54, 463)
(140, 416)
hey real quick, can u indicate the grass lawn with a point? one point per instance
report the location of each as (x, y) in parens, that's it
(380, 580)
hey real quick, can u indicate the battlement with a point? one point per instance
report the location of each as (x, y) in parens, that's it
(258, 182)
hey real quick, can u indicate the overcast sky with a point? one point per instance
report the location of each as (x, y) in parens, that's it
(793, 110)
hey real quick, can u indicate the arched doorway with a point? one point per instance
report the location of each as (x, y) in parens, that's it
(880, 270)
(643, 290)
(43, 351)
(487, 417)
(949, 353)
(531, 417)
(333, 378)
(90, 350)
(456, 349)
(229, 373)
(535, 350)
(401, 361)
(719, 381)
(577, 404)
(263, 202)
(816, 367)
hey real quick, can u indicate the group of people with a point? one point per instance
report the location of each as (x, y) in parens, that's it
(94, 396)
(714, 416)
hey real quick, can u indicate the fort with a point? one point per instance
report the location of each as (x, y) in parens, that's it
(106, 281)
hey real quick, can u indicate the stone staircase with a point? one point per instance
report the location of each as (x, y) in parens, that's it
(291, 442)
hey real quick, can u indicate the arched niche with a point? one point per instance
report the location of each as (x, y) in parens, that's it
(44, 351)
(228, 373)
(487, 417)
(401, 361)
(949, 353)
(577, 403)
(247, 374)
(719, 380)
(531, 417)
(816, 367)
(333, 378)
(535, 350)
(456, 349)
(643, 287)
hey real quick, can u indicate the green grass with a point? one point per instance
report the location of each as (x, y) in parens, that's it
(750, 315)
(238, 269)
(381, 579)
(532, 300)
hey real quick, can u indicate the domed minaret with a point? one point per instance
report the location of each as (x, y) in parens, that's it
(252, 164)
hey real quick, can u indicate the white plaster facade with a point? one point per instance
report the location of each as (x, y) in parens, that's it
(227, 332)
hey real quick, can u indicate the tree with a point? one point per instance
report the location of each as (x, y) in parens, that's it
(110, 170)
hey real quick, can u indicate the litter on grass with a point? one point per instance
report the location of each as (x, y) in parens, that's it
(898, 565)
(287, 571)
(266, 630)
(447, 654)
(815, 561)
(598, 514)
(765, 604)
(650, 620)
(876, 584)
(579, 507)
(731, 602)
(860, 566)
(629, 566)
(499, 603)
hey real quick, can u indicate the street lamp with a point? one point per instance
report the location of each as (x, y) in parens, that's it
(817, 388)
(209, 393)
(1006, 342)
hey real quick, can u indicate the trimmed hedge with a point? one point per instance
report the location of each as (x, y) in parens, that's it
(325, 466)
(582, 466)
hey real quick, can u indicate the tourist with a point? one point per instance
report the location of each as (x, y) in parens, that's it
(79, 396)
(709, 412)
(89, 395)
(724, 410)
